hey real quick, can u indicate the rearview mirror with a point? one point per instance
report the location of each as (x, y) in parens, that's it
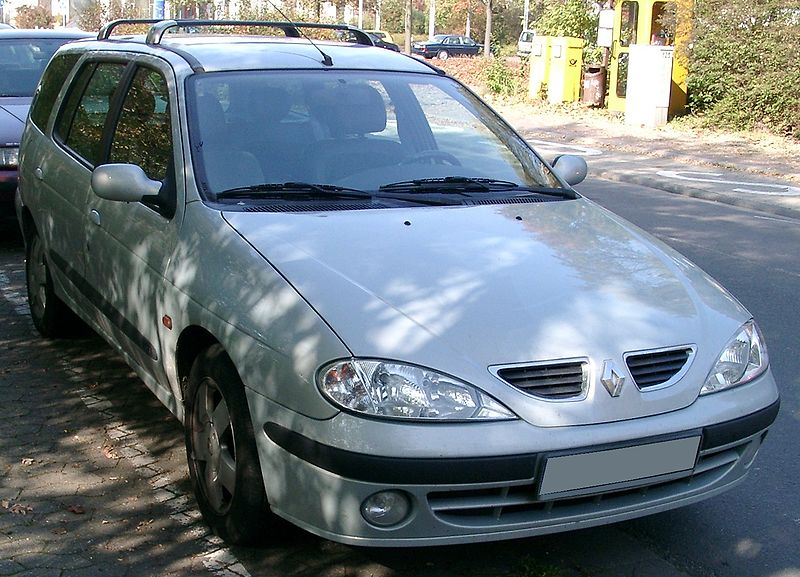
(571, 168)
(123, 182)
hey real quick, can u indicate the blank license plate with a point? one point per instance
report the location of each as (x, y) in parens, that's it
(586, 470)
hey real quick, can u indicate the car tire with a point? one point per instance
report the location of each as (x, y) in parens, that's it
(221, 451)
(50, 315)
(442, 55)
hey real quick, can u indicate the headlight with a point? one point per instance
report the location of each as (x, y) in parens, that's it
(742, 360)
(394, 390)
(9, 157)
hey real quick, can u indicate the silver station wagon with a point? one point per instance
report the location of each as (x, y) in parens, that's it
(378, 313)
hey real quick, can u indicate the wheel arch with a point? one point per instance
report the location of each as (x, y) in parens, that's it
(192, 341)
(27, 225)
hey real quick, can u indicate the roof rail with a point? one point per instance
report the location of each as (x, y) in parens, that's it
(290, 29)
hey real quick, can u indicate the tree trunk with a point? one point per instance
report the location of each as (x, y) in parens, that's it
(487, 37)
(407, 24)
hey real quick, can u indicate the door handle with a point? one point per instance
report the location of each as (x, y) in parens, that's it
(94, 216)
(39, 173)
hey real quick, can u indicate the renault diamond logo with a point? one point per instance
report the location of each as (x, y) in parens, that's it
(611, 379)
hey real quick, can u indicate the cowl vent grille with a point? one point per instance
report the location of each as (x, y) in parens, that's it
(656, 368)
(557, 381)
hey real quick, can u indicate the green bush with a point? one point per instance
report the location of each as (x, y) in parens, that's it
(501, 80)
(743, 65)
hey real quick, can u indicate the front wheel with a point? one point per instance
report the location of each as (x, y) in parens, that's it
(221, 451)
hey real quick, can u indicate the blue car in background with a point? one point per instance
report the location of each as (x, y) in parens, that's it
(23, 56)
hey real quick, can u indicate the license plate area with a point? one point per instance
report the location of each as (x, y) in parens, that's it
(618, 468)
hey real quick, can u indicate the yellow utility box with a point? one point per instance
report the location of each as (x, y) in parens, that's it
(540, 67)
(566, 65)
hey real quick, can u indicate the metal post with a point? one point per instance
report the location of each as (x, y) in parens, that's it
(431, 19)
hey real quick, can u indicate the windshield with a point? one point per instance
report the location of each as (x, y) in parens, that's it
(363, 131)
(22, 61)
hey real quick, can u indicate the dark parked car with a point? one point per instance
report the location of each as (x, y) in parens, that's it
(23, 56)
(445, 45)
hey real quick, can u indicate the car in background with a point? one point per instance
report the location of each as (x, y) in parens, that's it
(23, 56)
(444, 46)
(525, 43)
(383, 35)
(380, 43)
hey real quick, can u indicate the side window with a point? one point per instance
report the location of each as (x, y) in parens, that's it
(143, 134)
(52, 80)
(81, 121)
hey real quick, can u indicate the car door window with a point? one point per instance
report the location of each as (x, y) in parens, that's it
(81, 122)
(143, 134)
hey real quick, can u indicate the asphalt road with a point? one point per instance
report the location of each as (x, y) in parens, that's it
(752, 531)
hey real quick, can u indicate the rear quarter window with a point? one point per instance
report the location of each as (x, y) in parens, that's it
(52, 80)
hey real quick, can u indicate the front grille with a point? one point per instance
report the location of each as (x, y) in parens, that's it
(654, 368)
(563, 380)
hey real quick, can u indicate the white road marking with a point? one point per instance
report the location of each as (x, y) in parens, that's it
(558, 148)
(714, 178)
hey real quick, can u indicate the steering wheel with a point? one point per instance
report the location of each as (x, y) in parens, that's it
(432, 157)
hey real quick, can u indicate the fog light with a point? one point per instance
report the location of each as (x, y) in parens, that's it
(386, 508)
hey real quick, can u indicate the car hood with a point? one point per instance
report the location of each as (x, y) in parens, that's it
(465, 289)
(13, 112)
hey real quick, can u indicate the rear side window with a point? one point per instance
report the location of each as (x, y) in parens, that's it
(83, 117)
(52, 81)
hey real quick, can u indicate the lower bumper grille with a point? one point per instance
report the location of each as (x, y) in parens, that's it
(518, 503)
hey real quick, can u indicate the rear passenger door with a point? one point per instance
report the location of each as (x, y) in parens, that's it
(129, 243)
(63, 169)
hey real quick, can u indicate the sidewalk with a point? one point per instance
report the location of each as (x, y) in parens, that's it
(759, 172)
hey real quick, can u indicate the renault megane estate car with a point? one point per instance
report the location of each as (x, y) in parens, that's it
(378, 313)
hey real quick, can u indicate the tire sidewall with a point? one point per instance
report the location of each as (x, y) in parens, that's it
(245, 520)
(45, 320)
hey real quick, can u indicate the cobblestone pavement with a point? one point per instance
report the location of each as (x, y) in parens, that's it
(81, 494)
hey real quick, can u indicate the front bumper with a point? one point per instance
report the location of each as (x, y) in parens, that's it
(8, 187)
(320, 486)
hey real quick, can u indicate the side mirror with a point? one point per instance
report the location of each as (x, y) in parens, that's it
(123, 182)
(571, 168)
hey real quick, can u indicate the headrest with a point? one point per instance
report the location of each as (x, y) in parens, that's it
(252, 98)
(351, 109)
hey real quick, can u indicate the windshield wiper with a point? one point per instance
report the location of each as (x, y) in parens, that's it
(284, 189)
(465, 184)
(455, 184)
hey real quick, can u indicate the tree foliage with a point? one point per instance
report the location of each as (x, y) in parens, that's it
(34, 17)
(743, 67)
(576, 18)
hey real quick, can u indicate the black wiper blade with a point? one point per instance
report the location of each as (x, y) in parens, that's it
(547, 191)
(455, 184)
(284, 189)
